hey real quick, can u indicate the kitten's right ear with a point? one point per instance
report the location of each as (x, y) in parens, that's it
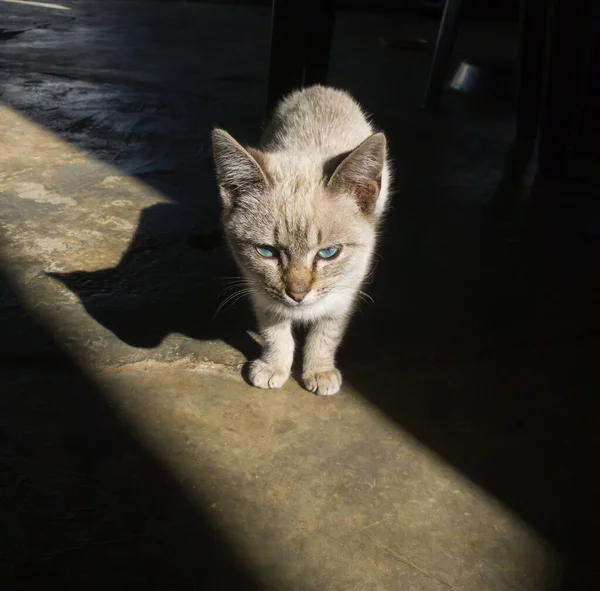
(238, 172)
(359, 173)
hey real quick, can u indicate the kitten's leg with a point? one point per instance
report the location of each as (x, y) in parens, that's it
(319, 373)
(275, 364)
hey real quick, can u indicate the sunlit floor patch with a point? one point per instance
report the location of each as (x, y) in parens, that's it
(39, 4)
(315, 494)
(327, 494)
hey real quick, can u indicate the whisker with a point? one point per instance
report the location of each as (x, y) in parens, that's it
(230, 288)
(236, 282)
(233, 295)
(365, 297)
(232, 299)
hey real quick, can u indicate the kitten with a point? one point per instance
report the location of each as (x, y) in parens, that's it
(300, 216)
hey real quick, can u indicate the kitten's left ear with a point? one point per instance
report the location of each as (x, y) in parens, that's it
(360, 172)
(238, 170)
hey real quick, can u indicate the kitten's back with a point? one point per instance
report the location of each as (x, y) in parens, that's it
(316, 119)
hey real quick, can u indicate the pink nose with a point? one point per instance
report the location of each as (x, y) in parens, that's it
(297, 292)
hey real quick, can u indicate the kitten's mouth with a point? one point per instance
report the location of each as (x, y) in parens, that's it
(284, 299)
(293, 303)
(289, 302)
(305, 303)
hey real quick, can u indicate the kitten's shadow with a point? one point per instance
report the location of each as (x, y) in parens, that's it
(167, 281)
(173, 277)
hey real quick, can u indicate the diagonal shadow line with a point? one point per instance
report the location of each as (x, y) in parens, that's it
(83, 503)
(522, 425)
(494, 365)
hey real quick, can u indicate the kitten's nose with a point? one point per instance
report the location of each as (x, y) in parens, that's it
(297, 292)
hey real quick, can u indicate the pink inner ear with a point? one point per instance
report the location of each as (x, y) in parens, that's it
(365, 192)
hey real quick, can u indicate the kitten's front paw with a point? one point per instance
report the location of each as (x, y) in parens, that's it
(323, 383)
(265, 375)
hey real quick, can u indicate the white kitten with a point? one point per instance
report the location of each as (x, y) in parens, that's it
(300, 215)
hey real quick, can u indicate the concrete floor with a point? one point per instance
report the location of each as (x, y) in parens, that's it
(132, 453)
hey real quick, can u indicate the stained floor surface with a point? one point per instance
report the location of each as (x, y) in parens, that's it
(132, 452)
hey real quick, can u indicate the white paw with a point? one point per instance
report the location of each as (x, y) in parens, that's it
(264, 375)
(323, 383)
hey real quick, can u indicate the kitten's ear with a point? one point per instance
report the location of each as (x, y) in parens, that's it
(359, 173)
(238, 171)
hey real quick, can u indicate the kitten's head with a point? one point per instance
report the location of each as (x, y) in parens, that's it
(302, 230)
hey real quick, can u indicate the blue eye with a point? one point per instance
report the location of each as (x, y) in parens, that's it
(329, 252)
(266, 251)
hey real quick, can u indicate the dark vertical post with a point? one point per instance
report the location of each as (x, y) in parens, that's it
(286, 67)
(301, 35)
(587, 127)
(318, 37)
(533, 25)
(442, 55)
(563, 71)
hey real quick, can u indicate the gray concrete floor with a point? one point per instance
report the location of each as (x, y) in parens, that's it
(460, 452)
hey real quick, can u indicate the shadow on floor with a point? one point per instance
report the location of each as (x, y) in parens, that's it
(484, 343)
(482, 347)
(83, 503)
(481, 343)
(509, 396)
(164, 284)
